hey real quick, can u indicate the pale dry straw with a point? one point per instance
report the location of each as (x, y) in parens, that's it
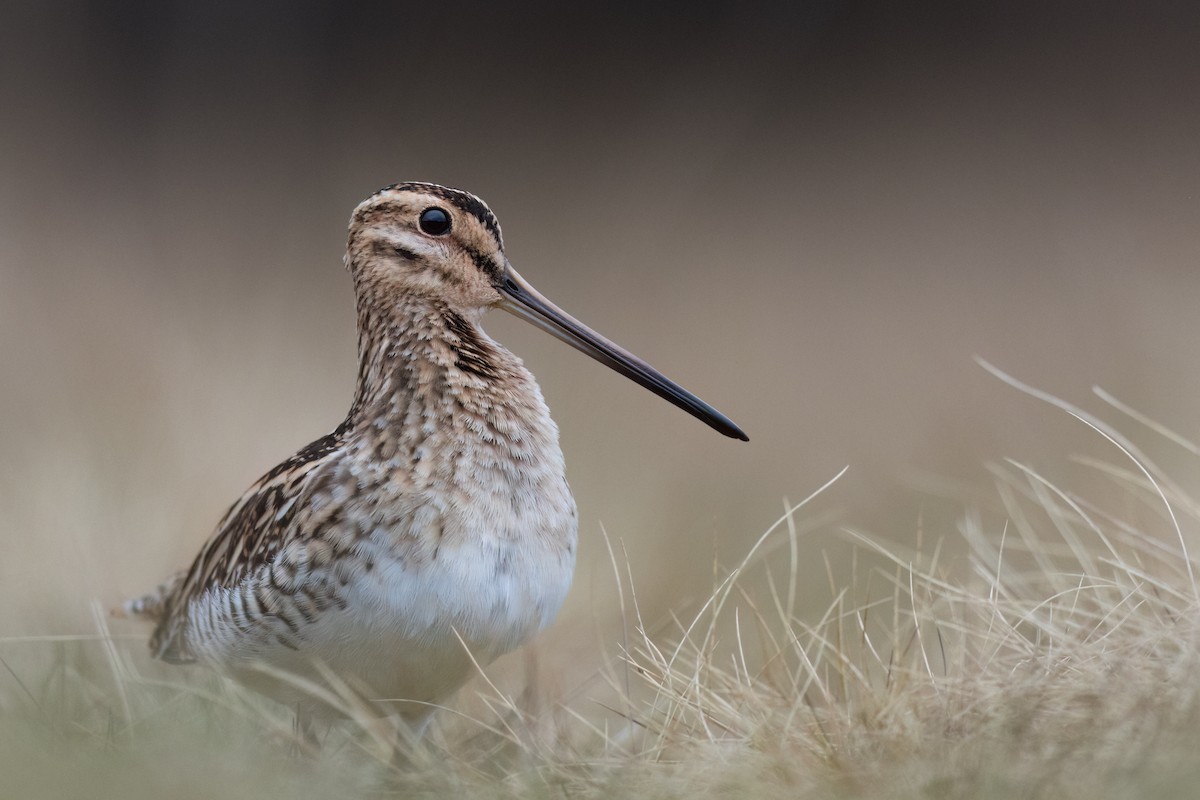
(1046, 648)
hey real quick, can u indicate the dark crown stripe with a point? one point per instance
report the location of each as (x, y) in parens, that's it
(463, 201)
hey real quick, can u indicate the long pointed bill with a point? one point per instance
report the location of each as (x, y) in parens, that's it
(522, 300)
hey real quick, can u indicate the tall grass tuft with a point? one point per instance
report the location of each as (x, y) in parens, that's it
(1047, 647)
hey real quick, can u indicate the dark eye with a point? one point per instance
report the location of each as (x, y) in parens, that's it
(435, 222)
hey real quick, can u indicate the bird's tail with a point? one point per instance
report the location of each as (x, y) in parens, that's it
(151, 606)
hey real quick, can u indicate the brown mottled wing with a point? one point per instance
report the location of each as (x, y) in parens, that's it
(252, 531)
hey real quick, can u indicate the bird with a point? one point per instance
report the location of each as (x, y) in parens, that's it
(433, 530)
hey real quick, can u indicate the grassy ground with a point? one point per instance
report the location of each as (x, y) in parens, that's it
(1047, 647)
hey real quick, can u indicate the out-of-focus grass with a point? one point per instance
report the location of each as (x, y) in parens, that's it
(1054, 657)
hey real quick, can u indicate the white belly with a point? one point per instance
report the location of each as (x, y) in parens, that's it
(413, 632)
(407, 623)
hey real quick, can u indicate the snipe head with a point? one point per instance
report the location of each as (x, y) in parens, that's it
(425, 241)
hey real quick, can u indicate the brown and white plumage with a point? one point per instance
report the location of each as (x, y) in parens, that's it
(437, 515)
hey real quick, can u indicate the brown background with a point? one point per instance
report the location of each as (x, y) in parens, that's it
(813, 216)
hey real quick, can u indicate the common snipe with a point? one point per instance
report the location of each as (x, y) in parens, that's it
(436, 516)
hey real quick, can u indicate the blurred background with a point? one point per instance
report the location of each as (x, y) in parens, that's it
(813, 214)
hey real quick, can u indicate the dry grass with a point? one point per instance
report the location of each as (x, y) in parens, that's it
(1047, 648)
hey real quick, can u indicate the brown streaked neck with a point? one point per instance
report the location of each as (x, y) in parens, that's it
(414, 352)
